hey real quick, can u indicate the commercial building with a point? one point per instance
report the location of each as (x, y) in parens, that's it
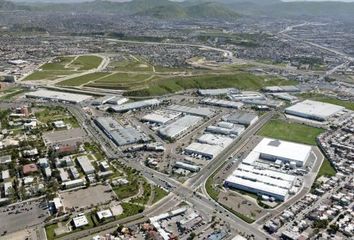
(85, 165)
(186, 166)
(80, 221)
(314, 110)
(5, 159)
(161, 117)
(179, 127)
(120, 135)
(58, 96)
(135, 105)
(197, 111)
(74, 183)
(104, 214)
(273, 150)
(5, 175)
(222, 103)
(241, 117)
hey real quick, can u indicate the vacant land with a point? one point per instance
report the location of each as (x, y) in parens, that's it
(326, 169)
(86, 62)
(84, 79)
(280, 129)
(323, 98)
(243, 81)
(65, 66)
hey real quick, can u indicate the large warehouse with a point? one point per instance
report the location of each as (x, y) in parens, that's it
(58, 96)
(135, 105)
(241, 117)
(314, 110)
(120, 135)
(179, 127)
(273, 150)
(197, 111)
(161, 117)
(208, 145)
(261, 181)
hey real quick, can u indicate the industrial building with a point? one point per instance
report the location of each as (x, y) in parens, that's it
(85, 165)
(217, 92)
(281, 89)
(261, 181)
(241, 117)
(208, 146)
(197, 111)
(314, 110)
(179, 127)
(226, 128)
(246, 96)
(58, 96)
(135, 105)
(120, 135)
(222, 103)
(80, 221)
(161, 117)
(272, 150)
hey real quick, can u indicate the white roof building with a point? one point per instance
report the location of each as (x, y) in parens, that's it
(273, 149)
(314, 110)
(85, 164)
(80, 221)
(5, 175)
(104, 214)
(161, 117)
(180, 126)
(58, 96)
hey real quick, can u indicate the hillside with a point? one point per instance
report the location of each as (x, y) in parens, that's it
(199, 10)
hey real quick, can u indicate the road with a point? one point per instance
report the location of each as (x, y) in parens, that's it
(226, 53)
(186, 191)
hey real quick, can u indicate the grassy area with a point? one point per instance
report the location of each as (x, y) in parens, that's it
(323, 98)
(48, 115)
(10, 95)
(83, 79)
(240, 215)
(57, 64)
(145, 197)
(280, 129)
(131, 65)
(49, 229)
(128, 190)
(244, 81)
(65, 66)
(130, 209)
(48, 75)
(326, 169)
(159, 193)
(87, 62)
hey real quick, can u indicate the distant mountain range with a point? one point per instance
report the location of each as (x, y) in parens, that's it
(189, 9)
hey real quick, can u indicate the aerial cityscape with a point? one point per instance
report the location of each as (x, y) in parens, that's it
(166, 120)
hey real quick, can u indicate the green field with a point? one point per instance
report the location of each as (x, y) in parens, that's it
(243, 81)
(326, 169)
(64, 66)
(83, 79)
(87, 62)
(131, 64)
(322, 98)
(280, 129)
(48, 75)
(57, 64)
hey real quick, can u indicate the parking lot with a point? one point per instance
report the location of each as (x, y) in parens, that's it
(22, 215)
(86, 197)
(65, 137)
